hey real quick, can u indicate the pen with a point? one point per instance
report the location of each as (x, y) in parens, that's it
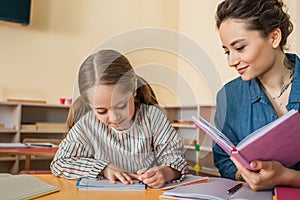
(234, 189)
(155, 159)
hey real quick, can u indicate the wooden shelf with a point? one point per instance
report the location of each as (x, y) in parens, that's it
(15, 114)
(180, 116)
(8, 130)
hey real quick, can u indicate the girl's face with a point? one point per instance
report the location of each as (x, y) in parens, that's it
(112, 106)
(250, 54)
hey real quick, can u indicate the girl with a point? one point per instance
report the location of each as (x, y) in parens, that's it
(253, 35)
(124, 130)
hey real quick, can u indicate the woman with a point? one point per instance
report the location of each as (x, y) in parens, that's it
(254, 34)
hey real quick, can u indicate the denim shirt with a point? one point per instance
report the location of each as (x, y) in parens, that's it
(243, 107)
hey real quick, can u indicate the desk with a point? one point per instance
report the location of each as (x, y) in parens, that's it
(28, 152)
(68, 190)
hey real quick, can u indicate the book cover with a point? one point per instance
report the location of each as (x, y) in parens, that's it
(277, 140)
(215, 189)
(286, 193)
(24, 187)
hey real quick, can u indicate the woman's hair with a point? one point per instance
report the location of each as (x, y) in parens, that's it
(260, 15)
(109, 67)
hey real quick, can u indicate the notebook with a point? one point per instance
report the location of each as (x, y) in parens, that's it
(215, 189)
(23, 186)
(104, 184)
(284, 149)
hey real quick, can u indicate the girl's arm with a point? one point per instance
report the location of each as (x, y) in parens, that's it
(74, 158)
(172, 164)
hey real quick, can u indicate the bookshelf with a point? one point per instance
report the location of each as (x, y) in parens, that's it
(197, 146)
(19, 121)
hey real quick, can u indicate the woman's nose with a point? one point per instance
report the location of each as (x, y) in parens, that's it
(233, 60)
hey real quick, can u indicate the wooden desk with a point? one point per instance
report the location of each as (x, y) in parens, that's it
(68, 190)
(28, 152)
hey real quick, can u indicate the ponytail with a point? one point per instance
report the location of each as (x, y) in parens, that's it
(144, 93)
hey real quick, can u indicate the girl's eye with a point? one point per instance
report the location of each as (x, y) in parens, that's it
(122, 106)
(227, 52)
(102, 112)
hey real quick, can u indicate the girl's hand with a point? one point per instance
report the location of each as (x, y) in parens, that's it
(156, 177)
(267, 174)
(114, 173)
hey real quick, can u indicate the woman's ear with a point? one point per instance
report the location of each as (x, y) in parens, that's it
(276, 37)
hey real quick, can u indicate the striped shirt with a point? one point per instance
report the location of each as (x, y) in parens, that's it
(91, 145)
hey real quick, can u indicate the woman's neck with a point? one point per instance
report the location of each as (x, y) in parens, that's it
(278, 78)
(277, 85)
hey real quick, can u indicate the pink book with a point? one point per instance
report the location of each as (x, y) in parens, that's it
(278, 140)
(287, 193)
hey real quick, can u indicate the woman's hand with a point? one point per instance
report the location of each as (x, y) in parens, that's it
(156, 177)
(266, 174)
(114, 173)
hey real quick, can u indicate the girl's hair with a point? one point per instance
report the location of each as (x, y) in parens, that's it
(261, 15)
(109, 67)
(76, 111)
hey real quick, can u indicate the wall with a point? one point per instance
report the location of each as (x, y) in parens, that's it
(41, 61)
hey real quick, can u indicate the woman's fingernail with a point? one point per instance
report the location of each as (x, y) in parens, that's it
(253, 164)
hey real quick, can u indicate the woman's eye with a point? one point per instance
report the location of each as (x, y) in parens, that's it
(240, 48)
(227, 52)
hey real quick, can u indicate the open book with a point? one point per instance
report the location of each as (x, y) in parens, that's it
(23, 186)
(278, 140)
(215, 189)
(104, 184)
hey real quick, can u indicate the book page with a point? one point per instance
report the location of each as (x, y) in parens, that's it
(214, 134)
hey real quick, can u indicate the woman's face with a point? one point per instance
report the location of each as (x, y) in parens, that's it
(112, 106)
(249, 53)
